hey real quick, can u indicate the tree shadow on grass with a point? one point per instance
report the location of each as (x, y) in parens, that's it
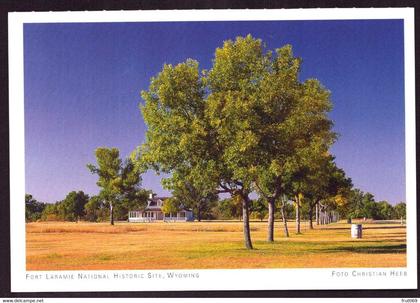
(370, 227)
(380, 249)
(387, 236)
(383, 227)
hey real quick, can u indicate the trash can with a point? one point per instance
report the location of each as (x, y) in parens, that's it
(356, 231)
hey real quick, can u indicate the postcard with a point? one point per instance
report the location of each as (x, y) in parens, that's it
(212, 150)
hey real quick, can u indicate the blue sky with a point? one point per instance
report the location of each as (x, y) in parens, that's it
(83, 83)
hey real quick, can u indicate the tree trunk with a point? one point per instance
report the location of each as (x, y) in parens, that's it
(311, 208)
(271, 209)
(245, 216)
(283, 216)
(297, 214)
(317, 213)
(199, 214)
(111, 213)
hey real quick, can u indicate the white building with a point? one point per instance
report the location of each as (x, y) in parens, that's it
(153, 212)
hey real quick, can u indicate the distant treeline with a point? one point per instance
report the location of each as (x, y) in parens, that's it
(78, 206)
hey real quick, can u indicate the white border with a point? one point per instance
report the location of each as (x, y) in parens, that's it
(243, 279)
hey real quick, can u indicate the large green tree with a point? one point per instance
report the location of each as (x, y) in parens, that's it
(232, 127)
(295, 129)
(181, 136)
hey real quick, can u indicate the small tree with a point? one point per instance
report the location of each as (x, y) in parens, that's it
(72, 208)
(386, 211)
(171, 206)
(96, 209)
(119, 182)
(50, 213)
(258, 208)
(135, 199)
(229, 208)
(363, 205)
(285, 209)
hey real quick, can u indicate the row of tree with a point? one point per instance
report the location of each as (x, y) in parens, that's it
(79, 206)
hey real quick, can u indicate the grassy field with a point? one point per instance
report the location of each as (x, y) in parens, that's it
(217, 245)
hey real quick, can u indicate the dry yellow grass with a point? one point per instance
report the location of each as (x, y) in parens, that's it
(193, 245)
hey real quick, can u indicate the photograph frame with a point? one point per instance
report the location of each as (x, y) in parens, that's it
(17, 145)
